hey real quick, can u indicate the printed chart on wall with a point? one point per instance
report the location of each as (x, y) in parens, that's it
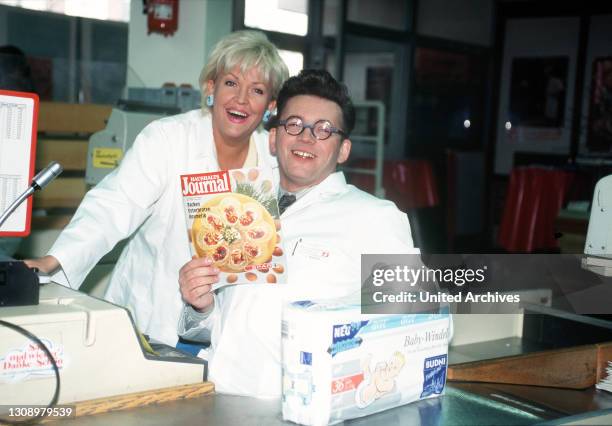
(18, 118)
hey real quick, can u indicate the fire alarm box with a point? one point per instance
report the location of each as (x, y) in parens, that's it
(162, 16)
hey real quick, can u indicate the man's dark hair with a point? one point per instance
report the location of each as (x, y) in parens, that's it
(317, 83)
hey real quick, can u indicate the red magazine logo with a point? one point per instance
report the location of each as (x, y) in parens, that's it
(205, 183)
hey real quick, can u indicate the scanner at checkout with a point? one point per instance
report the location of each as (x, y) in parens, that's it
(19, 286)
(95, 346)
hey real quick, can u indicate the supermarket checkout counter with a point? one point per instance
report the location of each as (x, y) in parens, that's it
(463, 403)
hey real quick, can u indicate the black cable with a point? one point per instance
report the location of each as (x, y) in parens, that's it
(44, 348)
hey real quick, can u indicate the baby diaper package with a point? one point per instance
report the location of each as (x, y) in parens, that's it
(339, 364)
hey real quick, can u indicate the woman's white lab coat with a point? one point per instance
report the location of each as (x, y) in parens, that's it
(324, 234)
(142, 199)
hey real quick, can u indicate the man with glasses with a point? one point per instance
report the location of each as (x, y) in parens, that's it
(327, 225)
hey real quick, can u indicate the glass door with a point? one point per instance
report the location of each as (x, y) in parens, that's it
(377, 70)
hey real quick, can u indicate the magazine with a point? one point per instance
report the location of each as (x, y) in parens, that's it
(232, 217)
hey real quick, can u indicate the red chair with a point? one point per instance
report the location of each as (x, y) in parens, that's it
(409, 184)
(533, 200)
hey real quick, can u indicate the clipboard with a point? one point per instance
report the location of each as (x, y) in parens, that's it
(18, 126)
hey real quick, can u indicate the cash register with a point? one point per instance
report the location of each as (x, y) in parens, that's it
(95, 346)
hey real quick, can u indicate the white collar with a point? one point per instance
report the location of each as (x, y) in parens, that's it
(333, 184)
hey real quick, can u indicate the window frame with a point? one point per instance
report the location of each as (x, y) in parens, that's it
(284, 41)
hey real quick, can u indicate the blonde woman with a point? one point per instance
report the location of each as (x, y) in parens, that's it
(142, 198)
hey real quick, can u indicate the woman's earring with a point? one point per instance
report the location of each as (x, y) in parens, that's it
(210, 100)
(266, 116)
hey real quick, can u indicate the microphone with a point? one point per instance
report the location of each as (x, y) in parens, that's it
(42, 179)
(46, 175)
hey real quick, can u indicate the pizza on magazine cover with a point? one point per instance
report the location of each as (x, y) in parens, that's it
(232, 217)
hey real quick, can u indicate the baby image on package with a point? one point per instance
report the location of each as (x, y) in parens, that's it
(378, 380)
(232, 217)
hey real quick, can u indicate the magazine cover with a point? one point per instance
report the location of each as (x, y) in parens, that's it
(232, 217)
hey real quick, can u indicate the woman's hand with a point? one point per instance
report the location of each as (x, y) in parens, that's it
(196, 278)
(46, 264)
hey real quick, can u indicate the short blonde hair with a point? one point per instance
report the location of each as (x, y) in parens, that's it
(246, 49)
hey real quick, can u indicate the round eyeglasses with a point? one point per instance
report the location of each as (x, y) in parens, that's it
(321, 129)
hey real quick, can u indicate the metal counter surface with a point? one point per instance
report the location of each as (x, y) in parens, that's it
(456, 407)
